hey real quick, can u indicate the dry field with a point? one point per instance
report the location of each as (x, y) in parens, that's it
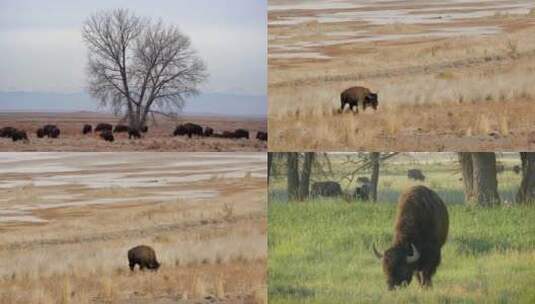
(454, 76)
(68, 219)
(159, 137)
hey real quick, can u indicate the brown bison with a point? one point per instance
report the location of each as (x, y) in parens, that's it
(262, 136)
(40, 133)
(133, 133)
(362, 193)
(208, 132)
(415, 174)
(107, 135)
(144, 256)
(103, 127)
(241, 133)
(420, 232)
(87, 129)
(354, 95)
(144, 129)
(19, 135)
(188, 129)
(326, 189)
(7, 132)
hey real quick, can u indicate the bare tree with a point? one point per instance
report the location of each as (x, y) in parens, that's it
(374, 160)
(526, 192)
(479, 175)
(140, 67)
(304, 178)
(293, 175)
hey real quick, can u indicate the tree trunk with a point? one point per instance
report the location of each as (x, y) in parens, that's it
(484, 177)
(465, 160)
(304, 180)
(374, 158)
(269, 162)
(293, 175)
(526, 192)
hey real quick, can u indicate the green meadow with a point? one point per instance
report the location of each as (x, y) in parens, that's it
(320, 250)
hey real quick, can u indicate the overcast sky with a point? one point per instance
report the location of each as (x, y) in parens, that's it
(42, 50)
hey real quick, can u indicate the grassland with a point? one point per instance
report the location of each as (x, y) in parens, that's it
(68, 220)
(453, 93)
(320, 250)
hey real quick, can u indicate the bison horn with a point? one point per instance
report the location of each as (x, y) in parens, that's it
(377, 253)
(415, 255)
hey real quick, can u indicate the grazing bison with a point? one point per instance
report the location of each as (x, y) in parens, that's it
(241, 133)
(208, 132)
(107, 135)
(327, 189)
(121, 129)
(420, 232)
(227, 134)
(7, 132)
(19, 135)
(354, 95)
(261, 135)
(54, 133)
(189, 129)
(87, 129)
(103, 127)
(144, 256)
(362, 193)
(415, 174)
(133, 133)
(40, 133)
(144, 129)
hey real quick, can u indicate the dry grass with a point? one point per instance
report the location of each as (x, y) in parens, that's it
(211, 250)
(468, 93)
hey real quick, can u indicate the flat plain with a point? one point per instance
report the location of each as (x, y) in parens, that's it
(158, 138)
(68, 220)
(450, 75)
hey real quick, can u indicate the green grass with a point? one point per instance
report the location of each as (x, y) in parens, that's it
(319, 252)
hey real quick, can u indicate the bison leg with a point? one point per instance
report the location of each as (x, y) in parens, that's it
(132, 266)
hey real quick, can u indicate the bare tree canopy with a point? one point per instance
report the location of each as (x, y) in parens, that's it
(138, 67)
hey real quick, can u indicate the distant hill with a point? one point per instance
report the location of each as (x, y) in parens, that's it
(218, 104)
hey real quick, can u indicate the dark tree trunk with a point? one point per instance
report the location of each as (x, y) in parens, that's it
(293, 175)
(465, 160)
(304, 181)
(374, 158)
(526, 192)
(269, 162)
(484, 177)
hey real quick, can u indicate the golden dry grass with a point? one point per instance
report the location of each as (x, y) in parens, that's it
(466, 93)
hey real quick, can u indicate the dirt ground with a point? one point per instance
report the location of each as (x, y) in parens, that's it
(450, 76)
(68, 219)
(158, 138)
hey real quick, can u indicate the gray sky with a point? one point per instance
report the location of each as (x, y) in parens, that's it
(42, 50)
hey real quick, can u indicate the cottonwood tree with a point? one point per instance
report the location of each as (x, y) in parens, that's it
(139, 67)
(480, 178)
(526, 192)
(299, 181)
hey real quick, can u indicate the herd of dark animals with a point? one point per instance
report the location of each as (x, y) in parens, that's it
(106, 132)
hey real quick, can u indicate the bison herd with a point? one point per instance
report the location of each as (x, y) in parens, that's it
(106, 131)
(333, 189)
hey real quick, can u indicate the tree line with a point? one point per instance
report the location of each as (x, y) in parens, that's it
(478, 169)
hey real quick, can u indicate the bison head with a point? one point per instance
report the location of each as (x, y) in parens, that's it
(398, 264)
(372, 100)
(154, 266)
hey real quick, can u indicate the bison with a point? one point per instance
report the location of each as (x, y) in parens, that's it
(262, 136)
(144, 256)
(421, 230)
(103, 127)
(327, 189)
(362, 193)
(354, 95)
(241, 133)
(7, 132)
(415, 174)
(40, 133)
(188, 129)
(121, 129)
(54, 133)
(87, 129)
(208, 132)
(133, 133)
(107, 135)
(19, 135)
(517, 169)
(144, 129)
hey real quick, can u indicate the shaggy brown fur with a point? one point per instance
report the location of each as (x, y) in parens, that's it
(355, 95)
(422, 220)
(326, 189)
(144, 256)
